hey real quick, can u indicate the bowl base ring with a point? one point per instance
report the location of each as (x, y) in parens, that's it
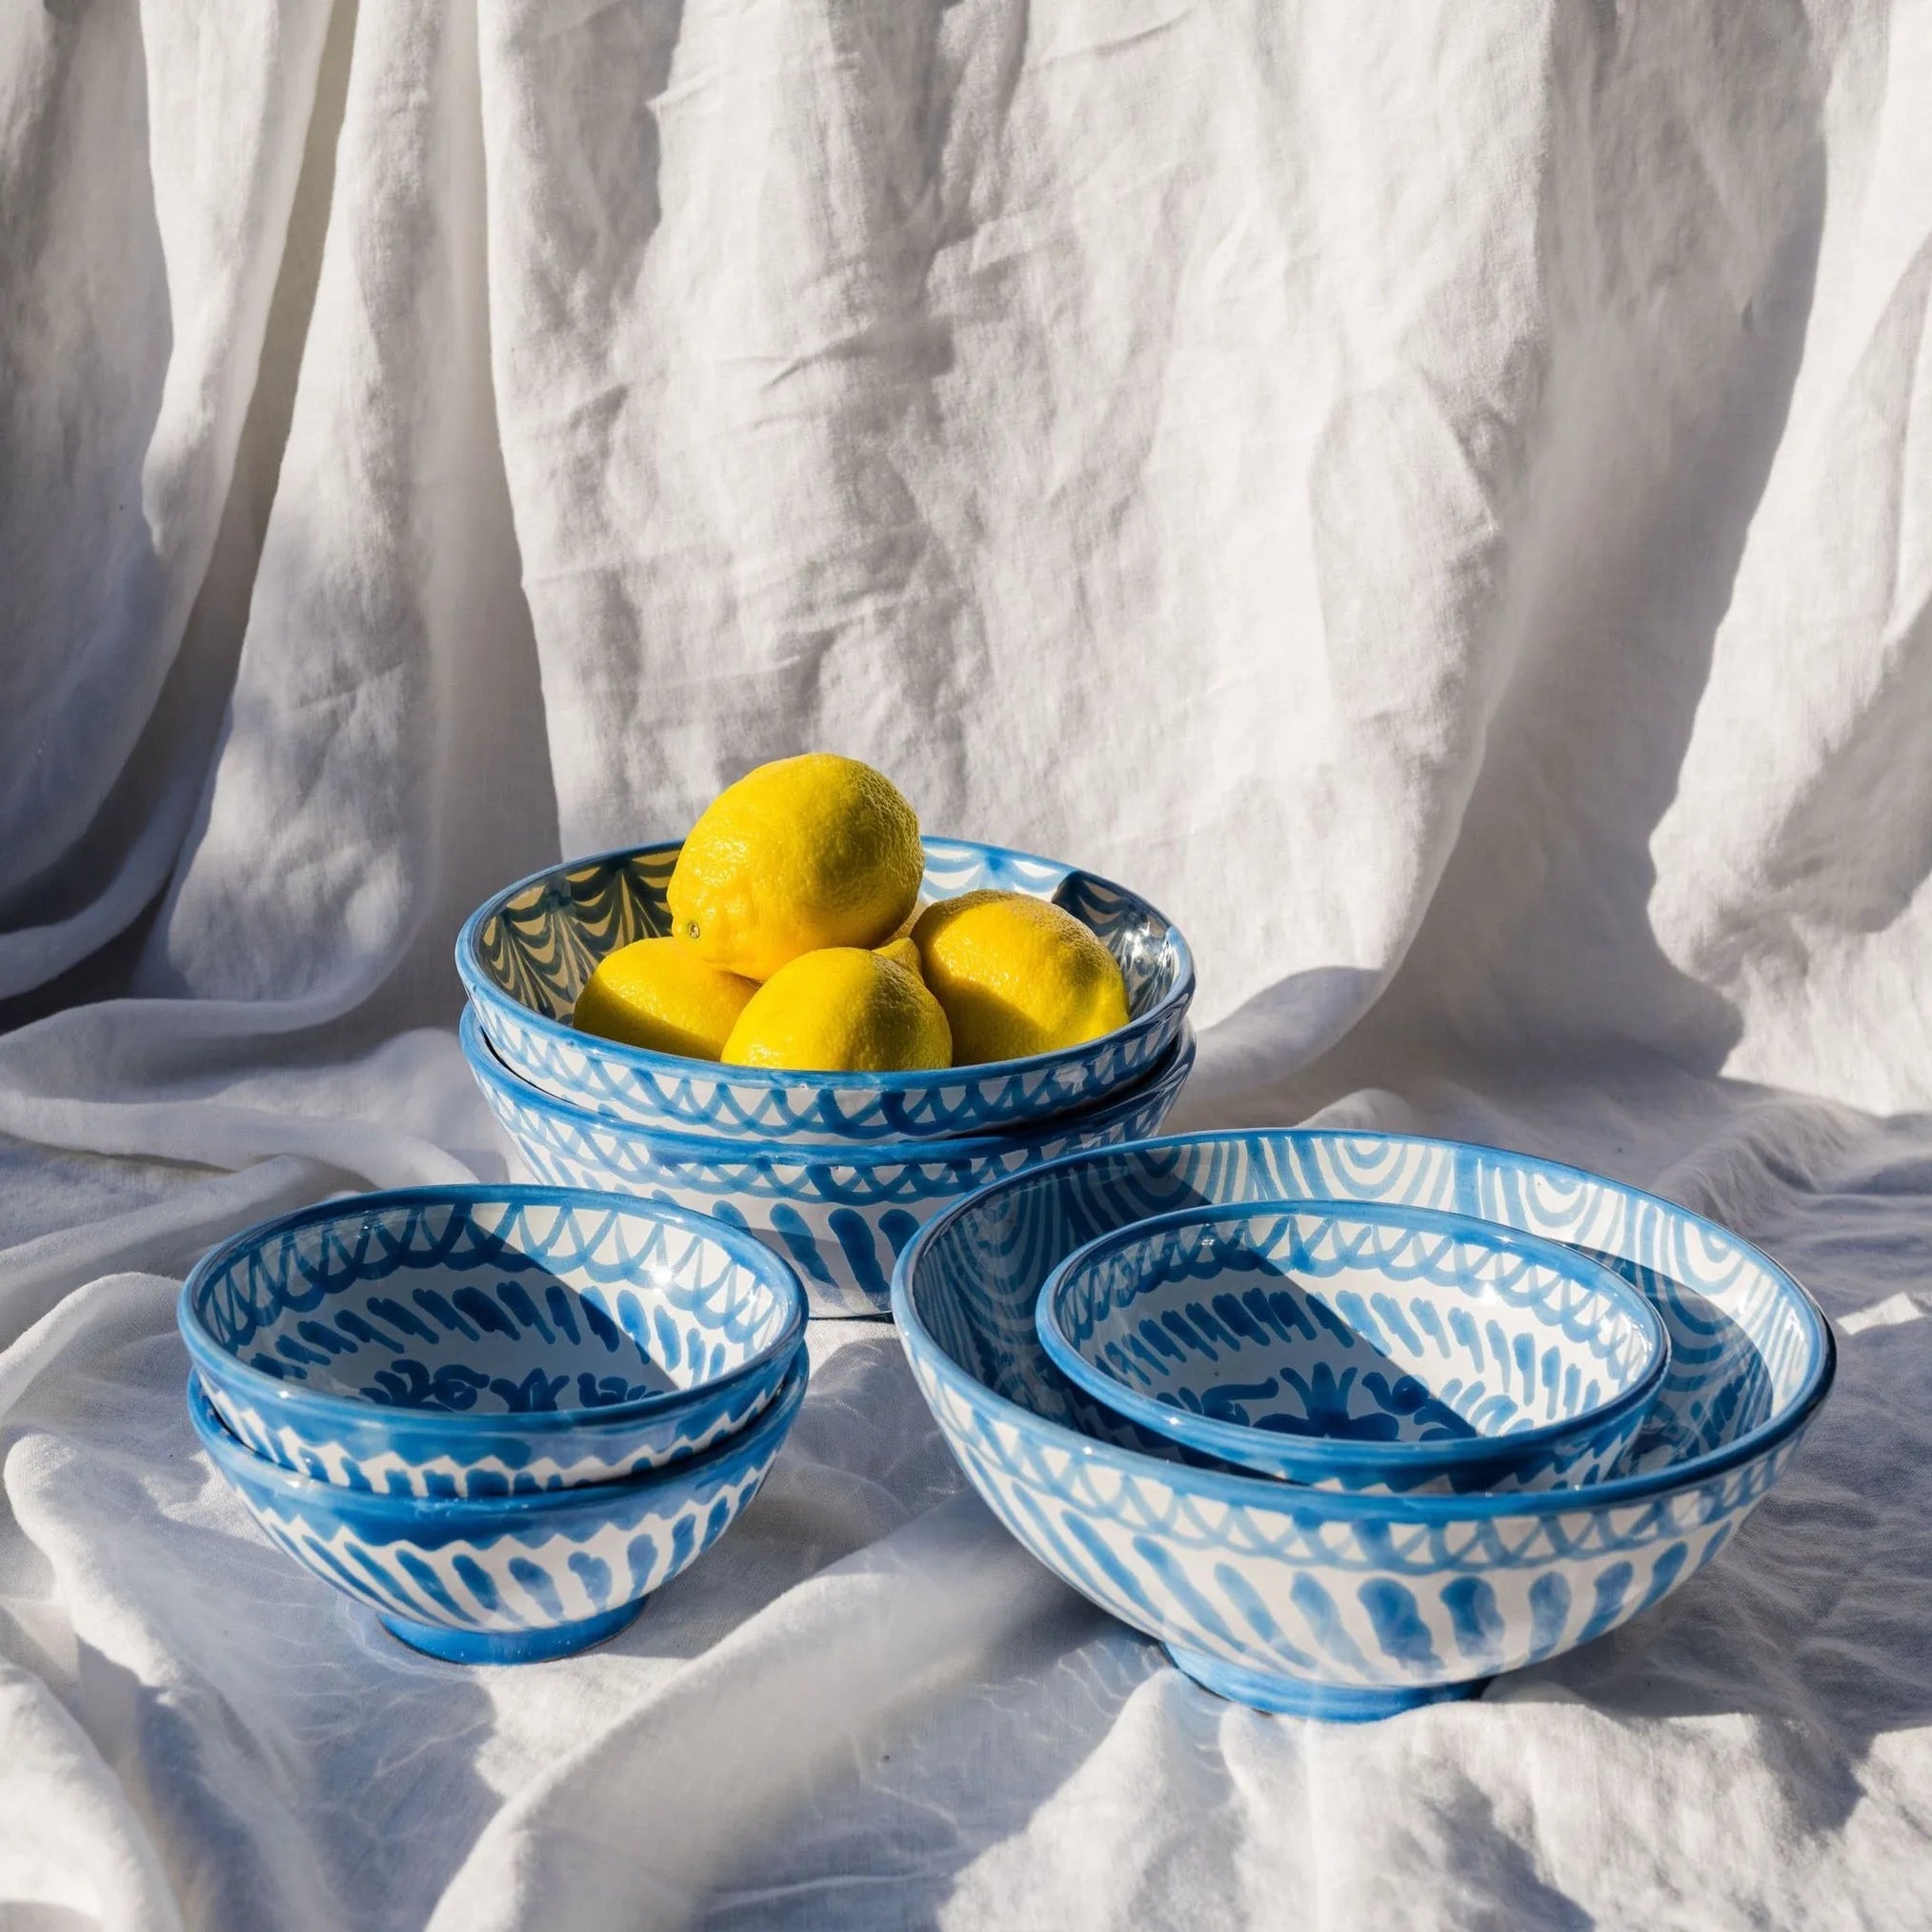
(511, 1646)
(1297, 1696)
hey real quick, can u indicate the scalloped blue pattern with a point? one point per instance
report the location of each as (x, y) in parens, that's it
(1321, 1601)
(482, 1341)
(840, 1215)
(1363, 1347)
(525, 954)
(510, 1579)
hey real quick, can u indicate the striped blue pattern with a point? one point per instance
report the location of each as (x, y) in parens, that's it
(488, 1340)
(515, 1578)
(841, 1215)
(1319, 1601)
(525, 954)
(1369, 1347)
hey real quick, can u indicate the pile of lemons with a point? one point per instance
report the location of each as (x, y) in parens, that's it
(797, 941)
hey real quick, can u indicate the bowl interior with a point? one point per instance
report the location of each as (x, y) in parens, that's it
(1748, 1350)
(544, 940)
(491, 1306)
(1366, 1326)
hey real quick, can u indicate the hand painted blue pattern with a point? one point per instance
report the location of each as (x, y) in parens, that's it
(488, 1340)
(841, 1214)
(525, 954)
(1359, 1346)
(1265, 1592)
(512, 1580)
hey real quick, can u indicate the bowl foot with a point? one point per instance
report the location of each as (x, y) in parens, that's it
(1295, 1697)
(511, 1646)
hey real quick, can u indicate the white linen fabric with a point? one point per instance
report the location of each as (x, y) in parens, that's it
(1436, 495)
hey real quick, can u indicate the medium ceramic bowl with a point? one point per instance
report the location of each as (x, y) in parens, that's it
(443, 1342)
(1315, 1601)
(840, 1214)
(515, 1578)
(525, 954)
(1363, 1347)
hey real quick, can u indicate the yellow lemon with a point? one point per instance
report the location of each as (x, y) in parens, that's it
(660, 995)
(803, 854)
(901, 952)
(841, 1010)
(1017, 975)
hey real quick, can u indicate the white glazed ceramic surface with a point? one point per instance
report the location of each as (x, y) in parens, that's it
(525, 954)
(1320, 1601)
(505, 1579)
(1360, 1346)
(840, 1215)
(488, 1340)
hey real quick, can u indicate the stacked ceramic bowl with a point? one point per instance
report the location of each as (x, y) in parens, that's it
(1378, 1348)
(499, 1417)
(836, 1171)
(1352, 1422)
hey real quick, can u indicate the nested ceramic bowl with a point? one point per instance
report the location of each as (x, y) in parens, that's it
(1318, 1601)
(525, 954)
(444, 1341)
(840, 1214)
(1360, 1346)
(512, 1579)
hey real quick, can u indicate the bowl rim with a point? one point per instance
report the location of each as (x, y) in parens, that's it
(488, 996)
(1263, 1493)
(228, 1452)
(715, 1150)
(230, 1371)
(1271, 1453)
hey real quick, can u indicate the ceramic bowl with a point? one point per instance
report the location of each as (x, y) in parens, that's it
(1317, 1601)
(473, 1341)
(514, 1578)
(524, 957)
(841, 1215)
(1364, 1347)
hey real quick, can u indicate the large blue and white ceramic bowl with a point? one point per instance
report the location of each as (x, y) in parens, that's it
(1320, 1601)
(1360, 1346)
(525, 954)
(514, 1578)
(443, 1342)
(841, 1215)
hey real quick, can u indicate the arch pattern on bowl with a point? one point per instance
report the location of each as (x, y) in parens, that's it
(1339, 1604)
(1360, 1345)
(484, 1341)
(840, 1215)
(525, 955)
(507, 1580)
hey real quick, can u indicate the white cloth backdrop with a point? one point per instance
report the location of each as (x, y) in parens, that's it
(1438, 496)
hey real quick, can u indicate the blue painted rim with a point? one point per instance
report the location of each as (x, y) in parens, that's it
(512, 1646)
(487, 1514)
(230, 1371)
(706, 1150)
(489, 997)
(1294, 1697)
(1259, 1492)
(1322, 1456)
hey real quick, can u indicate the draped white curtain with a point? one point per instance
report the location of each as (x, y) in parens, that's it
(1438, 495)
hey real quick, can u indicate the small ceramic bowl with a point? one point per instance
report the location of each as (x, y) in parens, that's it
(1318, 1601)
(465, 1341)
(1366, 1348)
(514, 1578)
(840, 1214)
(525, 954)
